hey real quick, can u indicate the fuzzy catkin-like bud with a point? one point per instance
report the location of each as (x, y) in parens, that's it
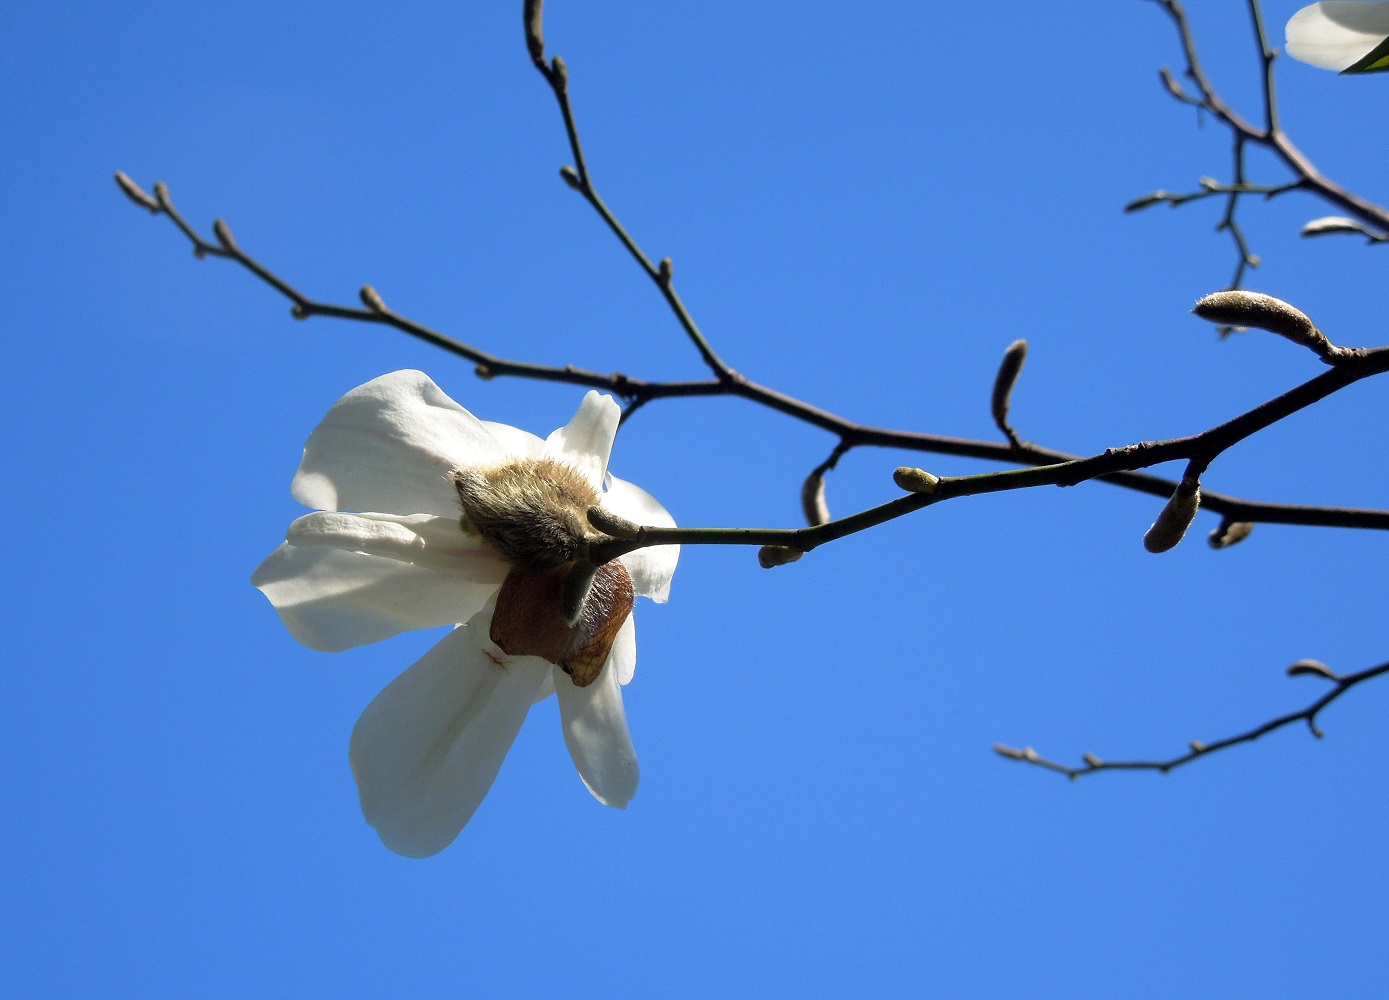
(371, 299)
(1311, 668)
(571, 177)
(535, 36)
(223, 234)
(1175, 518)
(1008, 371)
(915, 480)
(813, 504)
(135, 193)
(1238, 307)
(1230, 533)
(1148, 201)
(777, 555)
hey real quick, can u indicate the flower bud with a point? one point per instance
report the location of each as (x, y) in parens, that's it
(813, 504)
(666, 271)
(1175, 518)
(1230, 533)
(371, 299)
(535, 36)
(134, 192)
(559, 72)
(223, 233)
(1197, 746)
(1173, 87)
(1338, 224)
(1238, 307)
(571, 177)
(777, 555)
(1008, 370)
(1148, 201)
(915, 480)
(1311, 668)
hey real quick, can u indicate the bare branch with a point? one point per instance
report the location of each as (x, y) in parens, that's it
(1091, 764)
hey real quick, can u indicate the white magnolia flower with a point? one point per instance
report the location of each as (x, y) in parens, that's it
(1339, 34)
(426, 516)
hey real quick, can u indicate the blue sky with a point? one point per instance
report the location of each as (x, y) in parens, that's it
(864, 207)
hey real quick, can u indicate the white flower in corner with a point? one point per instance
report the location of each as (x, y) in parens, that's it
(1349, 36)
(426, 516)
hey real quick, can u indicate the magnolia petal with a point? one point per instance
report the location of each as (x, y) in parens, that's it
(428, 747)
(1336, 34)
(547, 688)
(651, 568)
(622, 660)
(389, 446)
(518, 443)
(332, 595)
(436, 543)
(587, 440)
(595, 730)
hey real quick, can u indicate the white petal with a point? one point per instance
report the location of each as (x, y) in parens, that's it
(428, 747)
(1338, 33)
(587, 440)
(343, 580)
(651, 568)
(622, 658)
(547, 688)
(521, 444)
(595, 730)
(389, 446)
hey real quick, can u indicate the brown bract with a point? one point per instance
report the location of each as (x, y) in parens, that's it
(528, 620)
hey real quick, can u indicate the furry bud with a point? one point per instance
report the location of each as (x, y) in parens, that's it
(915, 480)
(1175, 518)
(1255, 309)
(777, 555)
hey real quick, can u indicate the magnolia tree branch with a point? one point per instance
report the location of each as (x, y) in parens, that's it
(1037, 465)
(1048, 466)
(1365, 218)
(1090, 763)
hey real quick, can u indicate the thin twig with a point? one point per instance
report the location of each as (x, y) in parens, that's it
(1091, 763)
(1270, 135)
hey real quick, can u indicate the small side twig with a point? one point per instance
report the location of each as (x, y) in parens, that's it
(1091, 764)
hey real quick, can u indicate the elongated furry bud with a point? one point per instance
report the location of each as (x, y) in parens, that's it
(1238, 307)
(1175, 517)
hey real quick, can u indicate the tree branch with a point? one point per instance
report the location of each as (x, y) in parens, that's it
(1091, 764)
